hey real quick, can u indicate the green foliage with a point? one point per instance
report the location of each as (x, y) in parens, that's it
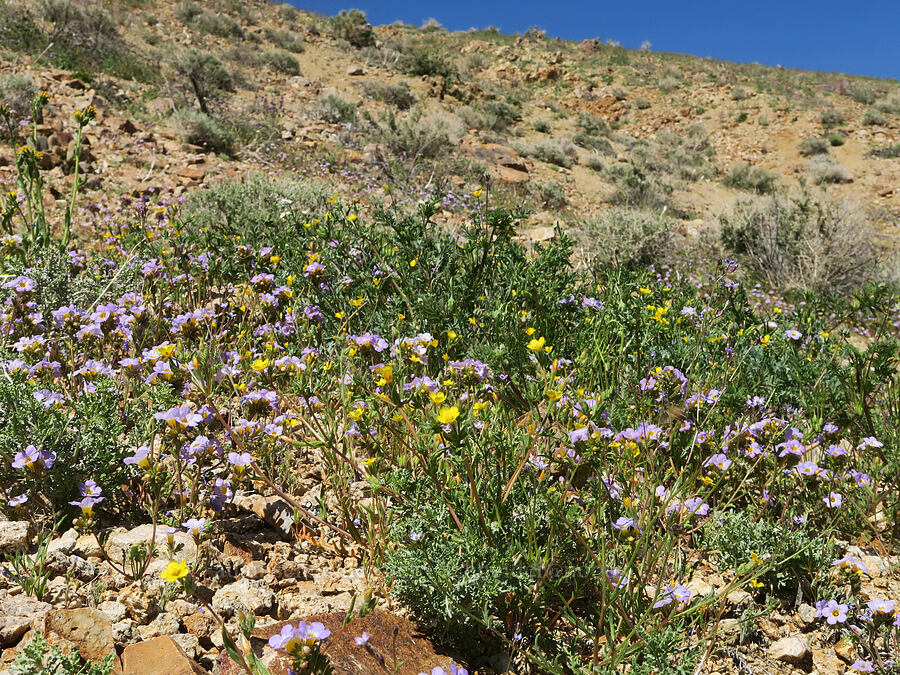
(813, 146)
(831, 118)
(204, 73)
(282, 61)
(625, 235)
(207, 131)
(789, 557)
(875, 117)
(285, 39)
(30, 571)
(751, 178)
(798, 242)
(397, 95)
(835, 140)
(558, 151)
(16, 93)
(430, 61)
(333, 109)
(39, 658)
(641, 103)
(887, 152)
(353, 27)
(598, 145)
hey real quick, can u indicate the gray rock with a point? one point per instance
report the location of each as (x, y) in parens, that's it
(189, 644)
(247, 595)
(65, 543)
(164, 624)
(114, 610)
(123, 540)
(15, 535)
(807, 614)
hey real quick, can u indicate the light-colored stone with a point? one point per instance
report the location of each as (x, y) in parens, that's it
(86, 630)
(806, 613)
(739, 598)
(64, 543)
(255, 569)
(15, 535)
(793, 650)
(699, 588)
(355, 70)
(164, 624)
(113, 610)
(248, 595)
(122, 540)
(17, 613)
(189, 644)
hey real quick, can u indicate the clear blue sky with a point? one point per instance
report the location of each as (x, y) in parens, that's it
(856, 36)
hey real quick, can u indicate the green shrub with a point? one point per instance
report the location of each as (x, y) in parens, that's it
(428, 61)
(798, 242)
(415, 136)
(888, 152)
(287, 12)
(599, 145)
(397, 95)
(593, 125)
(739, 94)
(625, 235)
(874, 117)
(831, 118)
(217, 24)
(19, 28)
(187, 11)
(353, 27)
(16, 93)
(594, 162)
(541, 126)
(286, 39)
(642, 103)
(558, 151)
(282, 61)
(207, 131)
(334, 110)
(495, 115)
(752, 178)
(826, 169)
(835, 140)
(550, 195)
(813, 146)
(205, 74)
(862, 92)
(802, 561)
(638, 187)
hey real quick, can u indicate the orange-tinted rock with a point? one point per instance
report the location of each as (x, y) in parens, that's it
(159, 656)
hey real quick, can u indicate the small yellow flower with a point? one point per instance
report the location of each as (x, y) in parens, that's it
(536, 344)
(764, 340)
(645, 291)
(554, 394)
(451, 334)
(437, 396)
(477, 193)
(175, 571)
(259, 365)
(448, 415)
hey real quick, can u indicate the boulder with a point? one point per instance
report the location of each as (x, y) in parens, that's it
(390, 635)
(159, 656)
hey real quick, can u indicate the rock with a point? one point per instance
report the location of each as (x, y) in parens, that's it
(124, 632)
(739, 598)
(189, 644)
(86, 630)
(15, 535)
(807, 614)
(60, 563)
(332, 583)
(274, 510)
(247, 595)
(65, 543)
(200, 624)
(508, 175)
(494, 153)
(86, 546)
(159, 656)
(355, 70)
(824, 661)
(793, 650)
(255, 569)
(844, 650)
(699, 588)
(164, 624)
(391, 635)
(121, 541)
(192, 173)
(113, 610)
(17, 613)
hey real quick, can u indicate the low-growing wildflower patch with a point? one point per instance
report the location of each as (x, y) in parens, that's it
(537, 458)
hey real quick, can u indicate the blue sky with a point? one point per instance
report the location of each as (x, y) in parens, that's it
(858, 37)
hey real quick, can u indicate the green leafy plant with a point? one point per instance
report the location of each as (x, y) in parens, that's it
(39, 658)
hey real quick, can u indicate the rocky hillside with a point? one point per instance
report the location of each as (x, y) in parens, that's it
(567, 128)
